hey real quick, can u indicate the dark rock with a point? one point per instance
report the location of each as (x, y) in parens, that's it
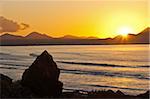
(18, 91)
(110, 92)
(145, 95)
(42, 76)
(5, 79)
(120, 93)
(5, 85)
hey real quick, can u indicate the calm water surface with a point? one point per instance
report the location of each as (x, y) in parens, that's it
(86, 67)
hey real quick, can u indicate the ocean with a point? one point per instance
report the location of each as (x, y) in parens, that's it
(86, 67)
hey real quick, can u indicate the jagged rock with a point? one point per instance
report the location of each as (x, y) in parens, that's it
(5, 80)
(110, 92)
(119, 93)
(5, 85)
(42, 76)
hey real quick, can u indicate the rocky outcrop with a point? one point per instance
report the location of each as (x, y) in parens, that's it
(5, 84)
(42, 77)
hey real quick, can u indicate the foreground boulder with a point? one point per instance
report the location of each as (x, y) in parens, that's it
(42, 77)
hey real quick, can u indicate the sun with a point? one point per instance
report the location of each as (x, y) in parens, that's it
(124, 31)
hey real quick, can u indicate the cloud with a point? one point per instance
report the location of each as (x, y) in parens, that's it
(7, 25)
(25, 26)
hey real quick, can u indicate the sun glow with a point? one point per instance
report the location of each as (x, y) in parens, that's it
(124, 31)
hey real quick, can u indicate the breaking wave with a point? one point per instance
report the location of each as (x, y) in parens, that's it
(103, 73)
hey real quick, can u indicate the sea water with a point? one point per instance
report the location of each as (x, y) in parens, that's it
(86, 67)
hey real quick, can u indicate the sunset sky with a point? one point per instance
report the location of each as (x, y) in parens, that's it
(100, 18)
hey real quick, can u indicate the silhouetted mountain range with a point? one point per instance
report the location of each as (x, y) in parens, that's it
(10, 37)
(36, 35)
(142, 37)
(70, 37)
(36, 38)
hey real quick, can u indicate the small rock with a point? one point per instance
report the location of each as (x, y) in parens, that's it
(119, 93)
(110, 92)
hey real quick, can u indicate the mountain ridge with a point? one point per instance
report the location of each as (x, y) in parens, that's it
(35, 38)
(36, 35)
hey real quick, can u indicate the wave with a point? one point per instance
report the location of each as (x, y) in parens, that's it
(99, 64)
(74, 89)
(103, 73)
(11, 58)
(4, 53)
(9, 64)
(118, 87)
(144, 66)
(8, 68)
(7, 56)
(11, 68)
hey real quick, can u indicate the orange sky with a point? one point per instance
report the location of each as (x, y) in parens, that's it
(100, 18)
